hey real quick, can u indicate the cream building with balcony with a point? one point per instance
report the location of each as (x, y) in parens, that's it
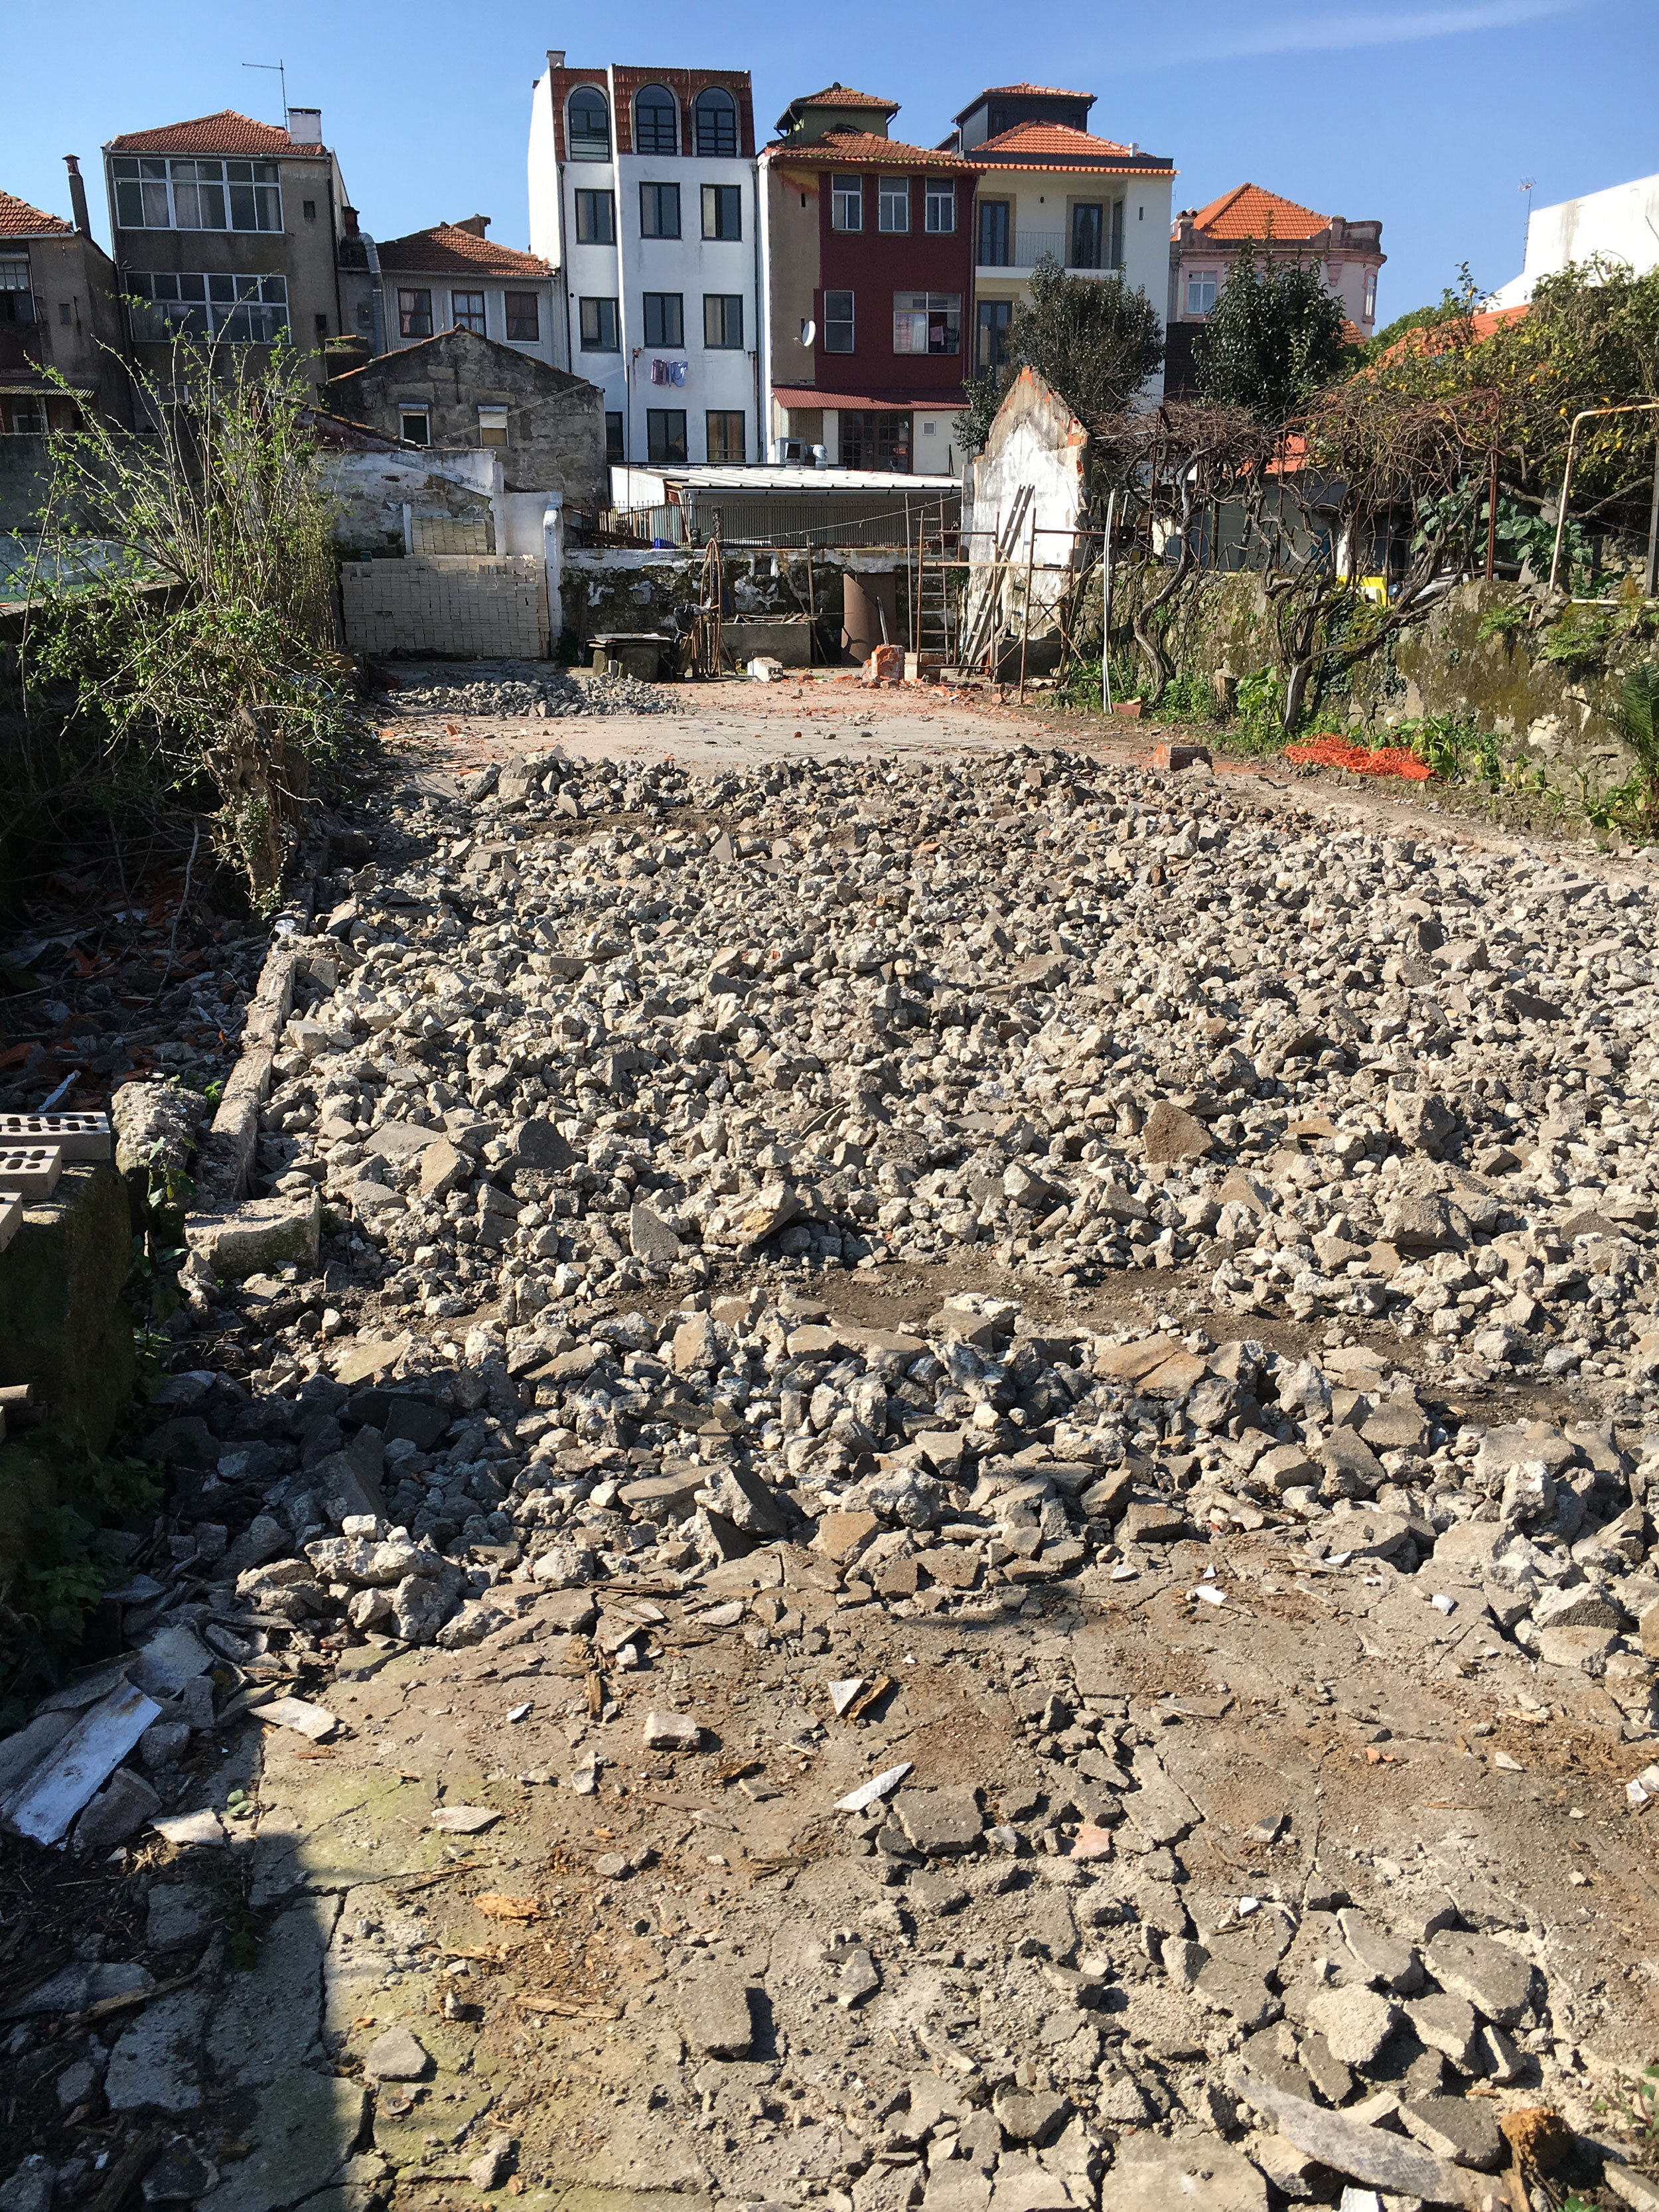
(1049, 186)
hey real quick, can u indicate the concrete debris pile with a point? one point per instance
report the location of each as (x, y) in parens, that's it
(534, 694)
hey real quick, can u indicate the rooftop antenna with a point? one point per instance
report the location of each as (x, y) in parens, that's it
(1526, 185)
(280, 72)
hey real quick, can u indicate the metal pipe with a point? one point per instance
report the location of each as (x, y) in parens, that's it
(1026, 613)
(1586, 414)
(1491, 516)
(1650, 582)
(1106, 608)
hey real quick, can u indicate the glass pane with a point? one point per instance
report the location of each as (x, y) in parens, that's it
(717, 124)
(589, 126)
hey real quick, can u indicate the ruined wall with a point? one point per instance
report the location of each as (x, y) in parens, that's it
(632, 589)
(1557, 716)
(457, 607)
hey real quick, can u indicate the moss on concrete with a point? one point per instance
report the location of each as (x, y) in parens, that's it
(63, 1324)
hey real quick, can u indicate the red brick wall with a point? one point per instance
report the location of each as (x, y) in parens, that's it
(874, 264)
(684, 84)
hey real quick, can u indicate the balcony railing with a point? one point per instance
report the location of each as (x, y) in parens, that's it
(1026, 248)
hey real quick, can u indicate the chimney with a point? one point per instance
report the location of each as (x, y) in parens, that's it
(78, 194)
(348, 221)
(555, 58)
(304, 126)
(477, 224)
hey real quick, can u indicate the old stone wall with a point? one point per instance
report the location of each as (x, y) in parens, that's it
(460, 606)
(1482, 653)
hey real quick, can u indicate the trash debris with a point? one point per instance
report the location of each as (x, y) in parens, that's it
(43, 1804)
(870, 1793)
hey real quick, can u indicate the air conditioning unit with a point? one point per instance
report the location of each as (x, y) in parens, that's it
(792, 452)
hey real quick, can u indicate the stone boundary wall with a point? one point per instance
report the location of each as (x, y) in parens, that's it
(460, 606)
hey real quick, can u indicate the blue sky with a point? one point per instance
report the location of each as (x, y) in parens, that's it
(1427, 116)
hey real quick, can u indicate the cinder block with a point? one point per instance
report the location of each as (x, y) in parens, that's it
(11, 1216)
(77, 1136)
(31, 1171)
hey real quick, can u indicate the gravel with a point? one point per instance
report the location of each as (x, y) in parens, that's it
(534, 694)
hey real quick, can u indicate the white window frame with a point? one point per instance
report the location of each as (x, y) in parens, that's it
(1197, 279)
(847, 203)
(939, 210)
(168, 194)
(211, 304)
(492, 416)
(914, 313)
(893, 198)
(406, 415)
(1369, 310)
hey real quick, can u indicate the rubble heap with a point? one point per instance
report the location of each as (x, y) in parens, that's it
(536, 694)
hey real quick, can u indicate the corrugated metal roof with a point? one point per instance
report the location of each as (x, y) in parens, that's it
(19, 219)
(225, 132)
(879, 402)
(795, 481)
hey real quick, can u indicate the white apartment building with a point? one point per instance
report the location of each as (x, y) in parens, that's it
(643, 204)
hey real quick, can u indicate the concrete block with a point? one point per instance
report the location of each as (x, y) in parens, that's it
(265, 1234)
(32, 1170)
(62, 1325)
(77, 1136)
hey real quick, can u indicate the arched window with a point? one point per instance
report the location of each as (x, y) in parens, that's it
(587, 125)
(717, 122)
(656, 121)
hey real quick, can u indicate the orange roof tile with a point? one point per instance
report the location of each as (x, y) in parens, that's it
(19, 219)
(445, 247)
(1031, 91)
(1248, 211)
(803, 396)
(1059, 145)
(863, 150)
(841, 95)
(1434, 338)
(225, 132)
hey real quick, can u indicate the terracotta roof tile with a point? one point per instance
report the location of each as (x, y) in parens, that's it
(1248, 211)
(225, 132)
(1057, 145)
(1034, 91)
(841, 96)
(445, 247)
(19, 219)
(863, 150)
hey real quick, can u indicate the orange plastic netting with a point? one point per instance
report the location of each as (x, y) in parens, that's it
(1329, 752)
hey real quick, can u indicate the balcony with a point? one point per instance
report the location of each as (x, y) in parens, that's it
(1026, 248)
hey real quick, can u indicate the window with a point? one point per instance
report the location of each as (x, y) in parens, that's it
(466, 312)
(16, 299)
(492, 424)
(308, 209)
(613, 440)
(665, 433)
(414, 314)
(722, 212)
(659, 210)
(869, 441)
(414, 425)
(726, 435)
(717, 124)
(893, 204)
(1088, 234)
(599, 327)
(152, 194)
(991, 350)
(656, 121)
(722, 319)
(66, 314)
(940, 208)
(846, 203)
(587, 125)
(1200, 291)
(596, 219)
(838, 322)
(1370, 296)
(996, 244)
(927, 322)
(664, 318)
(28, 418)
(242, 310)
(523, 317)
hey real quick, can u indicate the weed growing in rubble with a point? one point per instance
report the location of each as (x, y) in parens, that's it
(205, 646)
(1632, 2103)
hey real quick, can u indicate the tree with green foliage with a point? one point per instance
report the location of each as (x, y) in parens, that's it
(1273, 339)
(203, 648)
(1092, 340)
(1454, 305)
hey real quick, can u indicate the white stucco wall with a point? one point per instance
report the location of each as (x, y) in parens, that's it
(716, 378)
(1621, 222)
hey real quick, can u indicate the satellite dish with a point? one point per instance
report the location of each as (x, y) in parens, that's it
(808, 330)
